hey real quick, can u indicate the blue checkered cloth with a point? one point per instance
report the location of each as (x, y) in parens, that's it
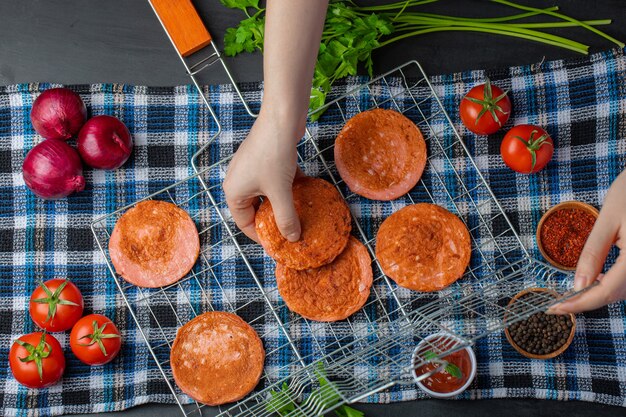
(581, 102)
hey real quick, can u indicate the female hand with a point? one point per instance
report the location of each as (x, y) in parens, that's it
(265, 165)
(266, 162)
(609, 229)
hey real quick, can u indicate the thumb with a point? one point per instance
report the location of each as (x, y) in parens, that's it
(285, 213)
(594, 253)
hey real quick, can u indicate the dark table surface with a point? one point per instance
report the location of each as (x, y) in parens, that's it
(93, 41)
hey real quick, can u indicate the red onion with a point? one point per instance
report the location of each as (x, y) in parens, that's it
(53, 170)
(58, 113)
(104, 142)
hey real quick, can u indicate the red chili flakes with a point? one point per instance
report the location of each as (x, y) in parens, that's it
(564, 234)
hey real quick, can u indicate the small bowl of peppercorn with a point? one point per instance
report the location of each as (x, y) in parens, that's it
(540, 336)
(563, 231)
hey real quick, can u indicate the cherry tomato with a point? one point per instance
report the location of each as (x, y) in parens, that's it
(485, 109)
(95, 340)
(526, 148)
(56, 305)
(36, 360)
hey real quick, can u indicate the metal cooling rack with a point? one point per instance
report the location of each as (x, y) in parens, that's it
(371, 352)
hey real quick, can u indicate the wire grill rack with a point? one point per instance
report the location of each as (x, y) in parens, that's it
(197, 64)
(372, 350)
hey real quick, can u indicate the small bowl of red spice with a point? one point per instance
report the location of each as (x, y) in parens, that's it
(563, 231)
(459, 366)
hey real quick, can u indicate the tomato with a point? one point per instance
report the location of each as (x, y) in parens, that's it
(56, 305)
(36, 360)
(526, 148)
(481, 112)
(95, 340)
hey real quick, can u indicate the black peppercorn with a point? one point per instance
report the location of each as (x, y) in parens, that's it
(540, 333)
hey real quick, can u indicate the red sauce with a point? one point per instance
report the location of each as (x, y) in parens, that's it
(442, 381)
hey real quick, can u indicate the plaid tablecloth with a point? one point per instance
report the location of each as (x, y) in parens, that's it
(581, 102)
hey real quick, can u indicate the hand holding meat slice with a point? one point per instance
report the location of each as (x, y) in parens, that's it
(326, 224)
(265, 163)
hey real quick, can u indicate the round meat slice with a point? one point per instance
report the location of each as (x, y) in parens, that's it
(423, 247)
(324, 219)
(154, 244)
(380, 154)
(217, 358)
(332, 292)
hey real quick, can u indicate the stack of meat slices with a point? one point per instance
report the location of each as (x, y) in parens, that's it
(327, 274)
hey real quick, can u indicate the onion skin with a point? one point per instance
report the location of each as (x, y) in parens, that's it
(58, 113)
(53, 170)
(104, 142)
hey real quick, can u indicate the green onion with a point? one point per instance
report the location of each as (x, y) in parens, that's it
(564, 17)
(353, 32)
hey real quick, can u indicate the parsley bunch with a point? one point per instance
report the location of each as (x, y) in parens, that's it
(248, 35)
(353, 32)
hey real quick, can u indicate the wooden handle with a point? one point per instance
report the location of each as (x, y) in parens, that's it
(183, 24)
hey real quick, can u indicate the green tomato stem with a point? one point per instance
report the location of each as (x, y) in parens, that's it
(36, 353)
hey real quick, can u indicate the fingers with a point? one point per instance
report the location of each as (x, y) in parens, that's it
(595, 252)
(609, 290)
(285, 213)
(243, 212)
(589, 268)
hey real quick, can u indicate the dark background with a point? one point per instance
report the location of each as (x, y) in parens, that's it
(94, 41)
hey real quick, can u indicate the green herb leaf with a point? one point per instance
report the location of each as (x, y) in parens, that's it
(231, 46)
(429, 355)
(450, 368)
(281, 401)
(247, 36)
(454, 370)
(348, 411)
(328, 395)
(317, 100)
(326, 392)
(240, 4)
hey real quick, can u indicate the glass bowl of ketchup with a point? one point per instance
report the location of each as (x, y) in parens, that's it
(453, 378)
